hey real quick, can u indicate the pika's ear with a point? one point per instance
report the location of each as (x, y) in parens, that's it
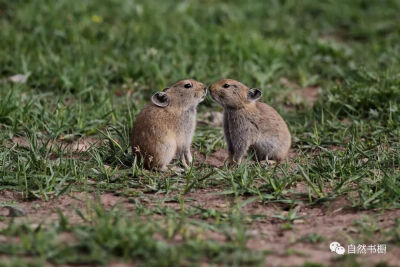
(254, 94)
(165, 89)
(160, 99)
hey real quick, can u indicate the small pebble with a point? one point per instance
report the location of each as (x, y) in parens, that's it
(15, 211)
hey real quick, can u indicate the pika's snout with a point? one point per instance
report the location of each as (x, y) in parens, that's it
(212, 88)
(216, 97)
(204, 94)
(214, 92)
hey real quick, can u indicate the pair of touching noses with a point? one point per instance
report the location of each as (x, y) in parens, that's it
(164, 129)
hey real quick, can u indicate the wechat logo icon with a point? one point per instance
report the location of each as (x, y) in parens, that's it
(337, 248)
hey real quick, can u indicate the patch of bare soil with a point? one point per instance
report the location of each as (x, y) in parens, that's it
(39, 211)
(75, 145)
(65, 144)
(19, 140)
(299, 95)
(216, 159)
(308, 95)
(288, 250)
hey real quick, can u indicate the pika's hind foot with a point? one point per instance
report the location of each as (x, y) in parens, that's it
(231, 161)
(183, 161)
(163, 169)
(188, 156)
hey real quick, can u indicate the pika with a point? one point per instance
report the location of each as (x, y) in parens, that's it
(164, 128)
(250, 124)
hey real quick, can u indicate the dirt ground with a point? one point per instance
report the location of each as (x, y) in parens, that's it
(331, 221)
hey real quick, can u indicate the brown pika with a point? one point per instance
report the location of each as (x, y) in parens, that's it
(249, 123)
(164, 128)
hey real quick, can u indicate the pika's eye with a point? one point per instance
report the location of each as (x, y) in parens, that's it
(225, 85)
(188, 85)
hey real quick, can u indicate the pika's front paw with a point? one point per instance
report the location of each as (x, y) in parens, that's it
(188, 157)
(270, 162)
(231, 161)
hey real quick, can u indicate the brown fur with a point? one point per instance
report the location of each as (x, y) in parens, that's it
(249, 123)
(161, 133)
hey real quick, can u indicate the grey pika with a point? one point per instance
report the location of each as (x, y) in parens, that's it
(249, 123)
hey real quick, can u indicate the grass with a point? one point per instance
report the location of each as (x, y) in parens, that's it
(91, 66)
(110, 235)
